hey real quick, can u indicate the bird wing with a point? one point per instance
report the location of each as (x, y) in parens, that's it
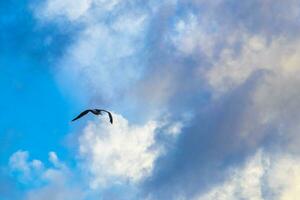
(109, 115)
(81, 114)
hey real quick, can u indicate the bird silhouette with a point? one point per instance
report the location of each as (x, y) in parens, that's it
(95, 112)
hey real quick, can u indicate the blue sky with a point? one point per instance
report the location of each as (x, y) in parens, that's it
(28, 86)
(204, 96)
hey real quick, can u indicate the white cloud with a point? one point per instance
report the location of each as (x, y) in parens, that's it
(105, 56)
(53, 158)
(192, 36)
(19, 161)
(53, 183)
(107, 4)
(115, 155)
(120, 152)
(175, 128)
(233, 55)
(73, 10)
(264, 176)
(232, 70)
(243, 183)
(283, 178)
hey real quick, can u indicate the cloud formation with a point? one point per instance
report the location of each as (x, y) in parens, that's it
(19, 162)
(263, 176)
(55, 182)
(230, 66)
(122, 152)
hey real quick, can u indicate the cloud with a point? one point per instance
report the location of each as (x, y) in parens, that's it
(255, 54)
(263, 176)
(221, 134)
(106, 58)
(111, 158)
(258, 108)
(70, 9)
(19, 162)
(240, 69)
(283, 178)
(243, 183)
(228, 64)
(55, 183)
(74, 10)
(118, 153)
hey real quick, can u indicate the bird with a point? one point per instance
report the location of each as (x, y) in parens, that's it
(95, 112)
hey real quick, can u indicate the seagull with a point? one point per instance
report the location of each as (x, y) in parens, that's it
(95, 112)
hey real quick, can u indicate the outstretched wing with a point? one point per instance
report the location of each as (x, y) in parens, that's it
(109, 115)
(81, 114)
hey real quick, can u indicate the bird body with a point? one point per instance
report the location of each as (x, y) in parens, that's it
(95, 112)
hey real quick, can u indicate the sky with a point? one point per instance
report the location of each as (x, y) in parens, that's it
(204, 96)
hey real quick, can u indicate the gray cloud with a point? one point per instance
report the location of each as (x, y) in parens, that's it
(226, 131)
(208, 145)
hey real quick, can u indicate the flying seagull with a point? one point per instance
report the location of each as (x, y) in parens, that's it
(95, 112)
